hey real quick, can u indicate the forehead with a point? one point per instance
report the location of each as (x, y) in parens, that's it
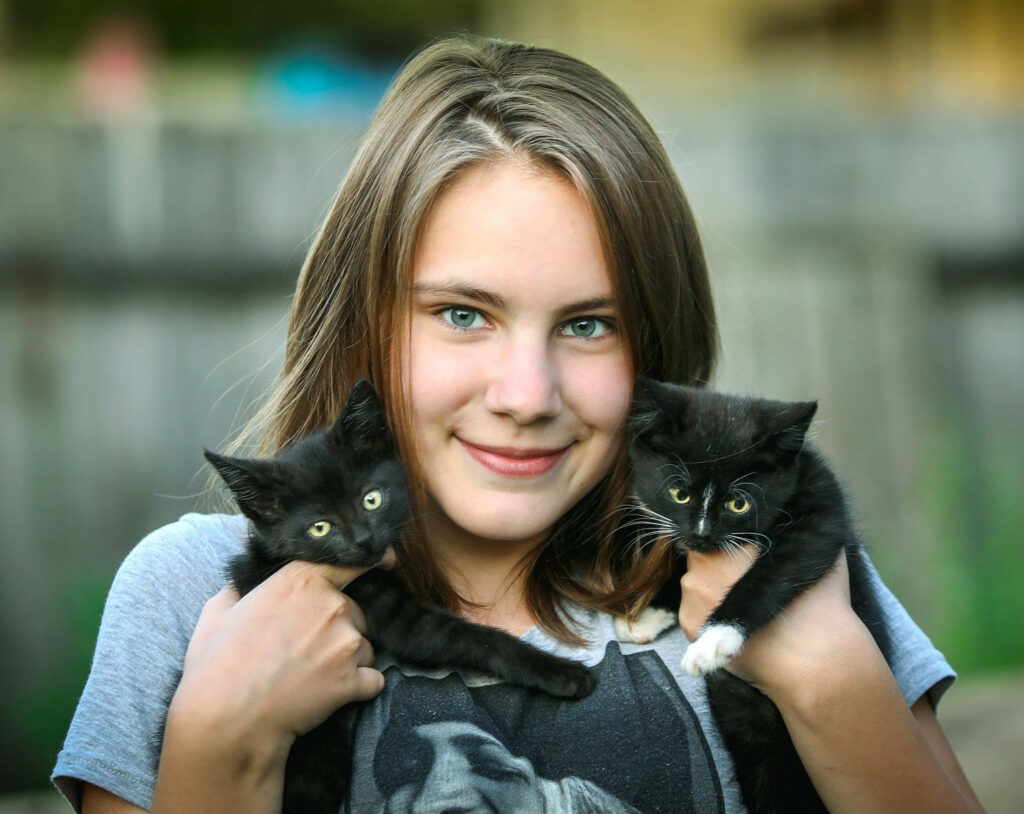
(512, 228)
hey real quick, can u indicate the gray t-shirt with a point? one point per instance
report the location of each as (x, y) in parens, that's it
(643, 741)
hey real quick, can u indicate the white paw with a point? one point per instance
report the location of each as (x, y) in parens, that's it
(712, 649)
(647, 626)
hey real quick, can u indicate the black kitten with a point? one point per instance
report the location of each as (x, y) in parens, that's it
(713, 472)
(341, 496)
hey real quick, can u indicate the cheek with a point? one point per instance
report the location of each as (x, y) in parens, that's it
(600, 392)
(437, 381)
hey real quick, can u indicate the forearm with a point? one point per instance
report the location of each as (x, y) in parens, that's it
(213, 766)
(858, 740)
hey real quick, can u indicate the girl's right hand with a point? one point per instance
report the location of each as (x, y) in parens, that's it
(275, 663)
(259, 671)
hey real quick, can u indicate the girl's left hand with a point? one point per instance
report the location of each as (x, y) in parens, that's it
(801, 638)
(863, 749)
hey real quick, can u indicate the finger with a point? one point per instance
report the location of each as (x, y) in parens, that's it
(722, 565)
(342, 575)
(364, 655)
(367, 683)
(358, 619)
(339, 575)
(225, 598)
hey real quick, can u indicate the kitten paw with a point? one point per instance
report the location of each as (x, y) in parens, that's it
(647, 626)
(712, 649)
(572, 681)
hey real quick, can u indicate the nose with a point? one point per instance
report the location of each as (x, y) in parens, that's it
(362, 536)
(701, 532)
(525, 382)
(449, 788)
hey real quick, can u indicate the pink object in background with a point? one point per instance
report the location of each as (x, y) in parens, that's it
(115, 66)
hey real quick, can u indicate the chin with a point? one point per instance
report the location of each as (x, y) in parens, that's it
(510, 522)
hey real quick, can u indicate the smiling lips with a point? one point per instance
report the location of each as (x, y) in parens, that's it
(513, 461)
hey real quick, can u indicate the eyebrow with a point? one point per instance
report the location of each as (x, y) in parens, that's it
(586, 307)
(496, 301)
(464, 291)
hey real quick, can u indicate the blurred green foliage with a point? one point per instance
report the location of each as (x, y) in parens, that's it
(976, 515)
(37, 718)
(385, 30)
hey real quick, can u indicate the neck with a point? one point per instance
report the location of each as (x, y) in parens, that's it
(488, 574)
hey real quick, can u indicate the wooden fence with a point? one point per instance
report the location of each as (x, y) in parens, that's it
(144, 282)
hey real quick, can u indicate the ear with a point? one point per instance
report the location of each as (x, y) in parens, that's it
(362, 425)
(787, 427)
(645, 410)
(252, 483)
(657, 406)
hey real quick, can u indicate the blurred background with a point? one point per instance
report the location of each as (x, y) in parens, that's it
(856, 167)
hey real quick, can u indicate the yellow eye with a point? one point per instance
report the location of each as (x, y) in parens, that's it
(318, 529)
(373, 499)
(678, 495)
(738, 505)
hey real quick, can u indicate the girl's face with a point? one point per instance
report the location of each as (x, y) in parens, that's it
(520, 382)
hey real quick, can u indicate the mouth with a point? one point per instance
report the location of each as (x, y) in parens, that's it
(518, 462)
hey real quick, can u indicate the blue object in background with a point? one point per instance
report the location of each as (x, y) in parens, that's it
(317, 80)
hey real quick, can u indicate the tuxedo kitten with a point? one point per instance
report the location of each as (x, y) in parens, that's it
(714, 473)
(341, 496)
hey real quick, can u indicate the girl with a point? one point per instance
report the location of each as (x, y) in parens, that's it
(510, 248)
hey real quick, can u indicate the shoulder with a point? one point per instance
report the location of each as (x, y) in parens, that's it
(151, 610)
(195, 544)
(176, 568)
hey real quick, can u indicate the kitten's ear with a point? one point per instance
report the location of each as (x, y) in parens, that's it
(787, 428)
(646, 411)
(363, 425)
(252, 484)
(656, 406)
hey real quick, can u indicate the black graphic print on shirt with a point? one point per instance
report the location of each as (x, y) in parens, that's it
(634, 745)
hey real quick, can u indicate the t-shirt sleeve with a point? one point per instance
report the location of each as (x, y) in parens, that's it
(918, 666)
(148, 619)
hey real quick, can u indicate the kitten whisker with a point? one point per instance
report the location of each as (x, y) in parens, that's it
(737, 551)
(750, 538)
(736, 484)
(677, 471)
(738, 488)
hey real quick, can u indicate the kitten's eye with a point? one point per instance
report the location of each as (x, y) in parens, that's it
(738, 505)
(679, 495)
(318, 529)
(373, 499)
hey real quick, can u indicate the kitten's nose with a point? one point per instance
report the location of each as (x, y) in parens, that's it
(362, 536)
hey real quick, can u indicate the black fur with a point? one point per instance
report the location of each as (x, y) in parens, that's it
(327, 476)
(714, 449)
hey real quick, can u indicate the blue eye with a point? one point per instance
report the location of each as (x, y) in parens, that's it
(586, 328)
(462, 317)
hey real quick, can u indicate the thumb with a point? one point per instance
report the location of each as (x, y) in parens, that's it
(342, 575)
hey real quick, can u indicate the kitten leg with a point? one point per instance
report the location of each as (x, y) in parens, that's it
(713, 648)
(647, 626)
(428, 636)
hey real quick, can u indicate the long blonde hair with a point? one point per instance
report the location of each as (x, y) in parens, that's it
(460, 102)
